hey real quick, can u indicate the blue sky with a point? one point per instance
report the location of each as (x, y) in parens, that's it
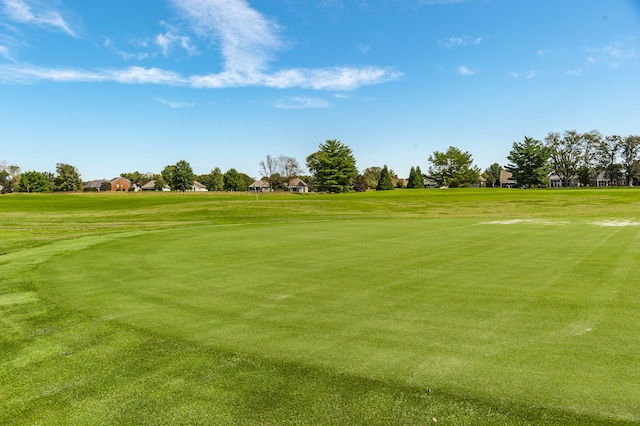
(114, 86)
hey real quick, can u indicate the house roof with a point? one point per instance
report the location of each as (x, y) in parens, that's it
(297, 182)
(95, 184)
(506, 176)
(198, 184)
(151, 185)
(120, 178)
(260, 184)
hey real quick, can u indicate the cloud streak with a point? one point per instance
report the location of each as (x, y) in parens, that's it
(319, 79)
(466, 71)
(36, 14)
(462, 40)
(301, 102)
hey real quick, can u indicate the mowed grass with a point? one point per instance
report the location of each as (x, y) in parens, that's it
(465, 307)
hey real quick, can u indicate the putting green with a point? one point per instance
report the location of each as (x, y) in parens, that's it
(543, 312)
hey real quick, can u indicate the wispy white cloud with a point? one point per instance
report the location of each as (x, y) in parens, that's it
(175, 104)
(36, 13)
(301, 102)
(168, 41)
(613, 54)
(110, 45)
(541, 53)
(466, 71)
(528, 75)
(4, 52)
(463, 40)
(247, 39)
(576, 72)
(319, 79)
(364, 48)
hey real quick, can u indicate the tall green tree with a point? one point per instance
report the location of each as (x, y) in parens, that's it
(385, 183)
(492, 175)
(34, 182)
(234, 181)
(333, 167)
(453, 168)
(565, 154)
(415, 178)
(608, 153)
(214, 181)
(179, 176)
(67, 179)
(529, 163)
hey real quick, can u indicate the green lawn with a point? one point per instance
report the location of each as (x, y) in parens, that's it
(464, 306)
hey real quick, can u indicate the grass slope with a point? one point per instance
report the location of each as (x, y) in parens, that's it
(501, 307)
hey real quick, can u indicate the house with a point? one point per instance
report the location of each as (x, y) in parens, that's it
(601, 179)
(260, 186)
(151, 186)
(506, 179)
(298, 185)
(94, 185)
(120, 184)
(198, 187)
(556, 182)
(429, 183)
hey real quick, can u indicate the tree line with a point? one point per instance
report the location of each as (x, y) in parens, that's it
(572, 156)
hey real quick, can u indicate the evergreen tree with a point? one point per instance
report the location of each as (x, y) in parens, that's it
(415, 178)
(385, 183)
(333, 167)
(529, 163)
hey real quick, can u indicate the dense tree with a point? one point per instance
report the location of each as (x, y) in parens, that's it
(630, 151)
(590, 141)
(608, 151)
(34, 182)
(385, 183)
(529, 163)
(333, 167)
(159, 184)
(360, 184)
(138, 179)
(214, 181)
(415, 178)
(371, 176)
(9, 177)
(234, 181)
(68, 178)
(179, 176)
(453, 168)
(492, 175)
(565, 154)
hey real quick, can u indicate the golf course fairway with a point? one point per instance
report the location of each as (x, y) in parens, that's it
(456, 307)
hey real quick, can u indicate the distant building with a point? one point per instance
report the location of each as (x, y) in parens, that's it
(260, 186)
(298, 185)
